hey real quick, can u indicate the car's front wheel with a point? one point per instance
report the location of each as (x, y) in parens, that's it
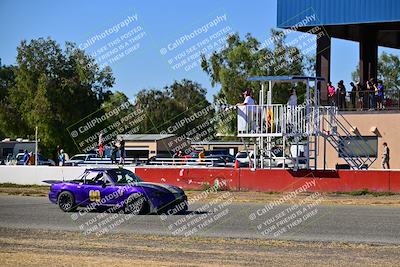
(136, 204)
(66, 201)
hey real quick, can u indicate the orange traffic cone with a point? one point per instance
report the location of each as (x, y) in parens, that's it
(236, 164)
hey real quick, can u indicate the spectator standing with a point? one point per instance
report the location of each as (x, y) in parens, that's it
(202, 155)
(114, 151)
(371, 93)
(26, 157)
(341, 95)
(366, 99)
(248, 98)
(385, 156)
(122, 151)
(375, 92)
(101, 150)
(359, 96)
(331, 94)
(31, 160)
(293, 99)
(250, 111)
(56, 154)
(61, 158)
(353, 95)
(381, 90)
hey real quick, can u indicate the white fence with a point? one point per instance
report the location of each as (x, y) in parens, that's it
(278, 120)
(34, 175)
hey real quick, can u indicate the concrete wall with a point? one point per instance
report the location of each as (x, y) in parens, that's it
(34, 175)
(387, 129)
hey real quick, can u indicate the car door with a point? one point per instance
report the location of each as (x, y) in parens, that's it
(99, 189)
(111, 193)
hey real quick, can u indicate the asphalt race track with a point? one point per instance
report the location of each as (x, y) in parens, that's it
(343, 223)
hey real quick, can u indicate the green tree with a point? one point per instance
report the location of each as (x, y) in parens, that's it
(173, 104)
(53, 89)
(388, 71)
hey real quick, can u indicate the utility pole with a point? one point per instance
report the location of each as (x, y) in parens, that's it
(36, 146)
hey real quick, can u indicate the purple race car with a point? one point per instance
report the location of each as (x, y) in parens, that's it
(117, 188)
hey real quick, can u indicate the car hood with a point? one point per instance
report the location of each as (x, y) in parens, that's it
(162, 187)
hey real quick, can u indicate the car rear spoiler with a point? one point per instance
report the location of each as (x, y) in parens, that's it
(52, 181)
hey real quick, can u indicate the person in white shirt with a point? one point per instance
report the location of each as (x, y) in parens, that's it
(250, 111)
(292, 99)
(248, 99)
(291, 109)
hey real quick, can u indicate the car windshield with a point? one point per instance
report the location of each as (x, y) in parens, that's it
(78, 157)
(278, 152)
(241, 155)
(123, 176)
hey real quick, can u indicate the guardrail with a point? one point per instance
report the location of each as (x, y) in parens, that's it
(209, 162)
(367, 100)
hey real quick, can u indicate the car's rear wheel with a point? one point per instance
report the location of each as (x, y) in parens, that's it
(66, 201)
(136, 204)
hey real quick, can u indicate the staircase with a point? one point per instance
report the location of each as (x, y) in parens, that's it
(335, 130)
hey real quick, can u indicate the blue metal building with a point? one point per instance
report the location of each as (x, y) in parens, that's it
(372, 23)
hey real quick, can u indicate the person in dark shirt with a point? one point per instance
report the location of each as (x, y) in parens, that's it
(341, 95)
(359, 96)
(114, 151)
(122, 151)
(353, 96)
(371, 88)
(385, 156)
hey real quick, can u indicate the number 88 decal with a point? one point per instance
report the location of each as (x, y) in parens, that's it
(94, 195)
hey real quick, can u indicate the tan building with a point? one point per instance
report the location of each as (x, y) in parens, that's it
(376, 128)
(145, 146)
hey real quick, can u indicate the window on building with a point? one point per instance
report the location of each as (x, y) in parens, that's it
(364, 146)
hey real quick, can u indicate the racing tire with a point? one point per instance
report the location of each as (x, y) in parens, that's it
(136, 205)
(66, 201)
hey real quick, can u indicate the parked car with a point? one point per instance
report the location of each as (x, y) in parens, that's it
(41, 160)
(79, 159)
(221, 161)
(272, 159)
(217, 152)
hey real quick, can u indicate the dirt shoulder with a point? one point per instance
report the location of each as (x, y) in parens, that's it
(41, 248)
(353, 198)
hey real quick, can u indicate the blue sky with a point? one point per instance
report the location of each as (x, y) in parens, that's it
(160, 24)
